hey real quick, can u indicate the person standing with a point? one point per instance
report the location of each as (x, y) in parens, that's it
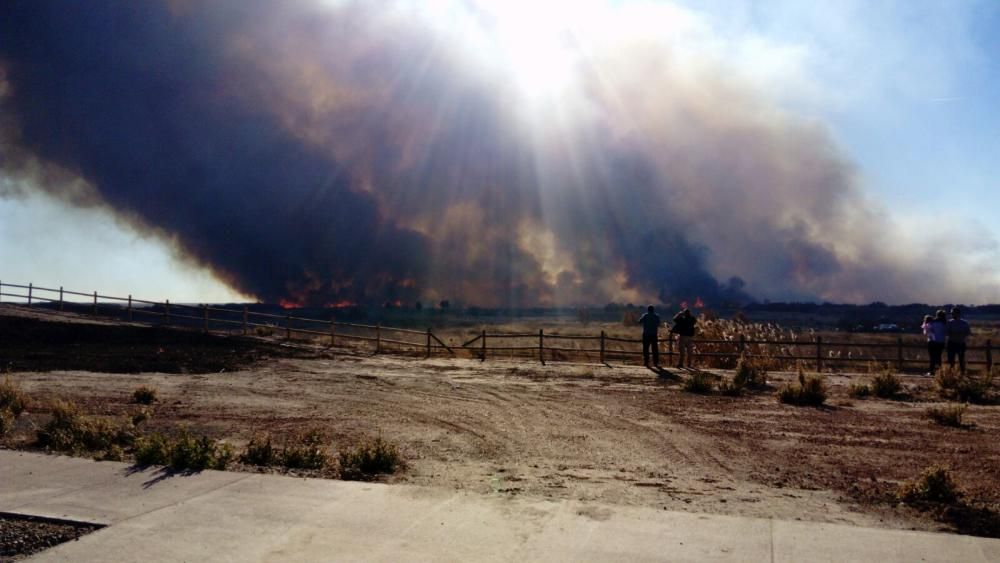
(650, 322)
(684, 327)
(935, 329)
(958, 332)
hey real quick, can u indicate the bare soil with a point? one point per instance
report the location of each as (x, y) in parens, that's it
(614, 434)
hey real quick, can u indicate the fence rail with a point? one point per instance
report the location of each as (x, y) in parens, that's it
(602, 347)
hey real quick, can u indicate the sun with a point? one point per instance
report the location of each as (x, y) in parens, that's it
(539, 44)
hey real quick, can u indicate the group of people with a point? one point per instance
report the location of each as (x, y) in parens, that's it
(684, 326)
(943, 333)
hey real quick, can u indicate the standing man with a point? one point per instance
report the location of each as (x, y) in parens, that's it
(650, 326)
(958, 331)
(684, 327)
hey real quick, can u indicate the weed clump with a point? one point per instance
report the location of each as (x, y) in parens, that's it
(306, 452)
(303, 452)
(183, 452)
(859, 390)
(6, 422)
(699, 382)
(809, 391)
(950, 415)
(260, 451)
(934, 485)
(13, 402)
(144, 395)
(886, 384)
(968, 388)
(750, 373)
(12, 399)
(70, 431)
(369, 458)
(730, 387)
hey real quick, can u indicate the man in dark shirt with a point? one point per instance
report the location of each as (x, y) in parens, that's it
(684, 327)
(650, 326)
(958, 331)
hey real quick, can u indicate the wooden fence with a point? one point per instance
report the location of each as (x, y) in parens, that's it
(903, 353)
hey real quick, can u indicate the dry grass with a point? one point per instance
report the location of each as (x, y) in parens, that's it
(933, 485)
(950, 415)
(808, 391)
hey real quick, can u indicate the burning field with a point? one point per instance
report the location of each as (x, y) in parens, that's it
(615, 434)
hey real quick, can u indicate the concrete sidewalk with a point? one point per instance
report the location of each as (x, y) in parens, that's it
(219, 516)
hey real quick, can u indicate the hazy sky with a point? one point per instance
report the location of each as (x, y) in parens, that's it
(907, 89)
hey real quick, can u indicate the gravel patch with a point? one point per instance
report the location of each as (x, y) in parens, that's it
(22, 536)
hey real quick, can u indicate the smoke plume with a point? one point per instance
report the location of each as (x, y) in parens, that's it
(364, 152)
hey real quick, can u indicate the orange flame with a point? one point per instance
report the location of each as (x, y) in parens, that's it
(684, 304)
(342, 304)
(699, 303)
(287, 304)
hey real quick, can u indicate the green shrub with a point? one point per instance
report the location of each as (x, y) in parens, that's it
(934, 485)
(968, 388)
(950, 415)
(750, 373)
(886, 384)
(70, 431)
(12, 398)
(183, 452)
(370, 457)
(859, 390)
(153, 449)
(699, 382)
(305, 452)
(809, 391)
(260, 451)
(144, 395)
(188, 452)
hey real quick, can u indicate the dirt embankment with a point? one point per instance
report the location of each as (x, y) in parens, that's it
(620, 435)
(48, 343)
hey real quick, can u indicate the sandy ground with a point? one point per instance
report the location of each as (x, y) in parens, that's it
(615, 434)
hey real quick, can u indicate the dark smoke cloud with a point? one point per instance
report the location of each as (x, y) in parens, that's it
(321, 154)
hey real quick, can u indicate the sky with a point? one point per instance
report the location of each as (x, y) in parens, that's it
(905, 91)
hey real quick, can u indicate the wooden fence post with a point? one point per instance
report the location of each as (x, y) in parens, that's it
(60, 298)
(246, 327)
(288, 327)
(166, 311)
(204, 314)
(428, 342)
(602, 348)
(989, 356)
(130, 307)
(819, 354)
(541, 346)
(482, 357)
(899, 353)
(378, 338)
(29, 294)
(95, 302)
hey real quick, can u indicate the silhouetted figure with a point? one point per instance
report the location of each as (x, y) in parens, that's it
(935, 329)
(684, 327)
(650, 327)
(958, 331)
